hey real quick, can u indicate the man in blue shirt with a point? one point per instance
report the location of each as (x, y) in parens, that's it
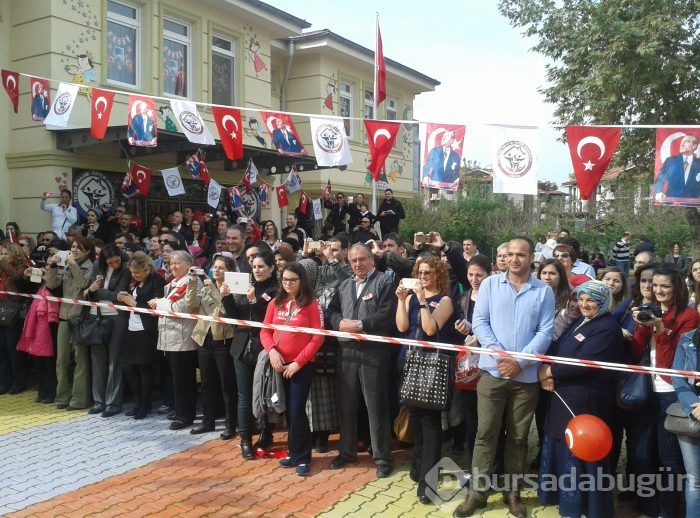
(514, 313)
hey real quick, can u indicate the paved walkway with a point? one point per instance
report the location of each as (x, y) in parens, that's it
(69, 464)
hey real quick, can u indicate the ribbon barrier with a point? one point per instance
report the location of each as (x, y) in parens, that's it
(621, 367)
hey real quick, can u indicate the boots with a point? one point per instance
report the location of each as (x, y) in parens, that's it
(247, 446)
(265, 438)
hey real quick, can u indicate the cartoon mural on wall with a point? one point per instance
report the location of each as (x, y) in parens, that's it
(77, 59)
(253, 49)
(165, 113)
(329, 100)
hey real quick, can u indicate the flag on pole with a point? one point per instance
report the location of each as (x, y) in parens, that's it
(330, 142)
(228, 123)
(191, 122)
(514, 159)
(172, 181)
(282, 200)
(102, 102)
(380, 136)
(137, 181)
(326, 191)
(380, 69)
(293, 181)
(213, 194)
(62, 105)
(591, 150)
(10, 81)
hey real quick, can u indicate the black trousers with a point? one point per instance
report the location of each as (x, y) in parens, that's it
(218, 380)
(183, 367)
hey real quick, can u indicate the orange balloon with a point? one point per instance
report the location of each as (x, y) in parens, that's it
(588, 437)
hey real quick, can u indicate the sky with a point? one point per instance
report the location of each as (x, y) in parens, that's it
(487, 73)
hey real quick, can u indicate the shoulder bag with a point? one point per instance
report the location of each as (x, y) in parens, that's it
(677, 421)
(88, 330)
(636, 390)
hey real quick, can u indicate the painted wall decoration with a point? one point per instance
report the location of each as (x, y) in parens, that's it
(329, 100)
(92, 189)
(253, 49)
(78, 58)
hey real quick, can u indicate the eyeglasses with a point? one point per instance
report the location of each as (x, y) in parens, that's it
(287, 280)
(422, 273)
(25, 244)
(563, 255)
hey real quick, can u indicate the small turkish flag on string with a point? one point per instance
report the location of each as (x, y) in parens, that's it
(102, 102)
(591, 149)
(10, 81)
(282, 200)
(137, 181)
(380, 136)
(303, 202)
(228, 123)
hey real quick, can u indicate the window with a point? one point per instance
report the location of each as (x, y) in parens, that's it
(123, 43)
(176, 57)
(369, 104)
(223, 54)
(390, 109)
(345, 103)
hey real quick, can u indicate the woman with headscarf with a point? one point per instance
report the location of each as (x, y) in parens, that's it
(594, 336)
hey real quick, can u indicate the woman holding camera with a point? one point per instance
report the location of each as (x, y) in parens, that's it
(421, 314)
(175, 339)
(658, 331)
(214, 339)
(251, 306)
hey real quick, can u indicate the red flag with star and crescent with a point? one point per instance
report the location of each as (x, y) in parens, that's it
(228, 123)
(137, 181)
(327, 191)
(102, 102)
(282, 200)
(10, 81)
(380, 136)
(591, 149)
(303, 202)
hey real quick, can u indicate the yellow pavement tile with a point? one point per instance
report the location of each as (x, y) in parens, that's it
(19, 412)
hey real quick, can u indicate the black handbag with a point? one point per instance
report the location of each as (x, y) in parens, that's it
(426, 379)
(9, 312)
(636, 390)
(678, 422)
(88, 330)
(252, 349)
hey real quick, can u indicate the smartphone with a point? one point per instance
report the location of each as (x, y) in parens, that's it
(243, 221)
(421, 238)
(196, 271)
(36, 275)
(48, 195)
(410, 283)
(63, 255)
(314, 245)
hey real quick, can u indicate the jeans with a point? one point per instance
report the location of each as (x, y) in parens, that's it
(244, 382)
(299, 439)
(624, 266)
(690, 448)
(107, 376)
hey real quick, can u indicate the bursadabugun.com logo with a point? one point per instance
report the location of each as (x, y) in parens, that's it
(446, 482)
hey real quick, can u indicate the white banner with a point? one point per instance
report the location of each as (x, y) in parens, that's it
(172, 181)
(330, 142)
(191, 122)
(213, 194)
(62, 105)
(514, 159)
(318, 213)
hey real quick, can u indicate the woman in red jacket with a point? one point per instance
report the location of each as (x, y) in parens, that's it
(292, 355)
(655, 450)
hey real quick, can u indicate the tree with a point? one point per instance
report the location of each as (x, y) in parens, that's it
(618, 62)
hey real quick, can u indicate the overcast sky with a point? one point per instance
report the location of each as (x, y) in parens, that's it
(486, 72)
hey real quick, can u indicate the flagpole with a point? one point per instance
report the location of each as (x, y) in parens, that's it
(374, 101)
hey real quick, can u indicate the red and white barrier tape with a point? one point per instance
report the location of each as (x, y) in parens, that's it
(375, 338)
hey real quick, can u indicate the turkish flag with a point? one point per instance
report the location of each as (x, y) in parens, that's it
(137, 181)
(102, 102)
(591, 149)
(381, 136)
(282, 200)
(303, 202)
(380, 80)
(327, 190)
(228, 123)
(10, 80)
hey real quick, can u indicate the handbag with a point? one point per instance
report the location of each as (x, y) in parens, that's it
(9, 312)
(252, 349)
(426, 379)
(678, 422)
(636, 389)
(88, 330)
(402, 425)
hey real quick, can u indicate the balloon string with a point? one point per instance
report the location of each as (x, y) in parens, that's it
(567, 406)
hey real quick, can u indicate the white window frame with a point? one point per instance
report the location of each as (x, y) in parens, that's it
(392, 114)
(345, 91)
(368, 97)
(228, 54)
(182, 40)
(131, 23)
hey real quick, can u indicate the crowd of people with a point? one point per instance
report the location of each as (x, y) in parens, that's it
(534, 299)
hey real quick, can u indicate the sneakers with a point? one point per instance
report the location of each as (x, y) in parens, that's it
(301, 469)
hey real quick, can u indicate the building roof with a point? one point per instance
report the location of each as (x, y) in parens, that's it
(611, 174)
(329, 39)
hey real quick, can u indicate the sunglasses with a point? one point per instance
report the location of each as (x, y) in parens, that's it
(562, 256)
